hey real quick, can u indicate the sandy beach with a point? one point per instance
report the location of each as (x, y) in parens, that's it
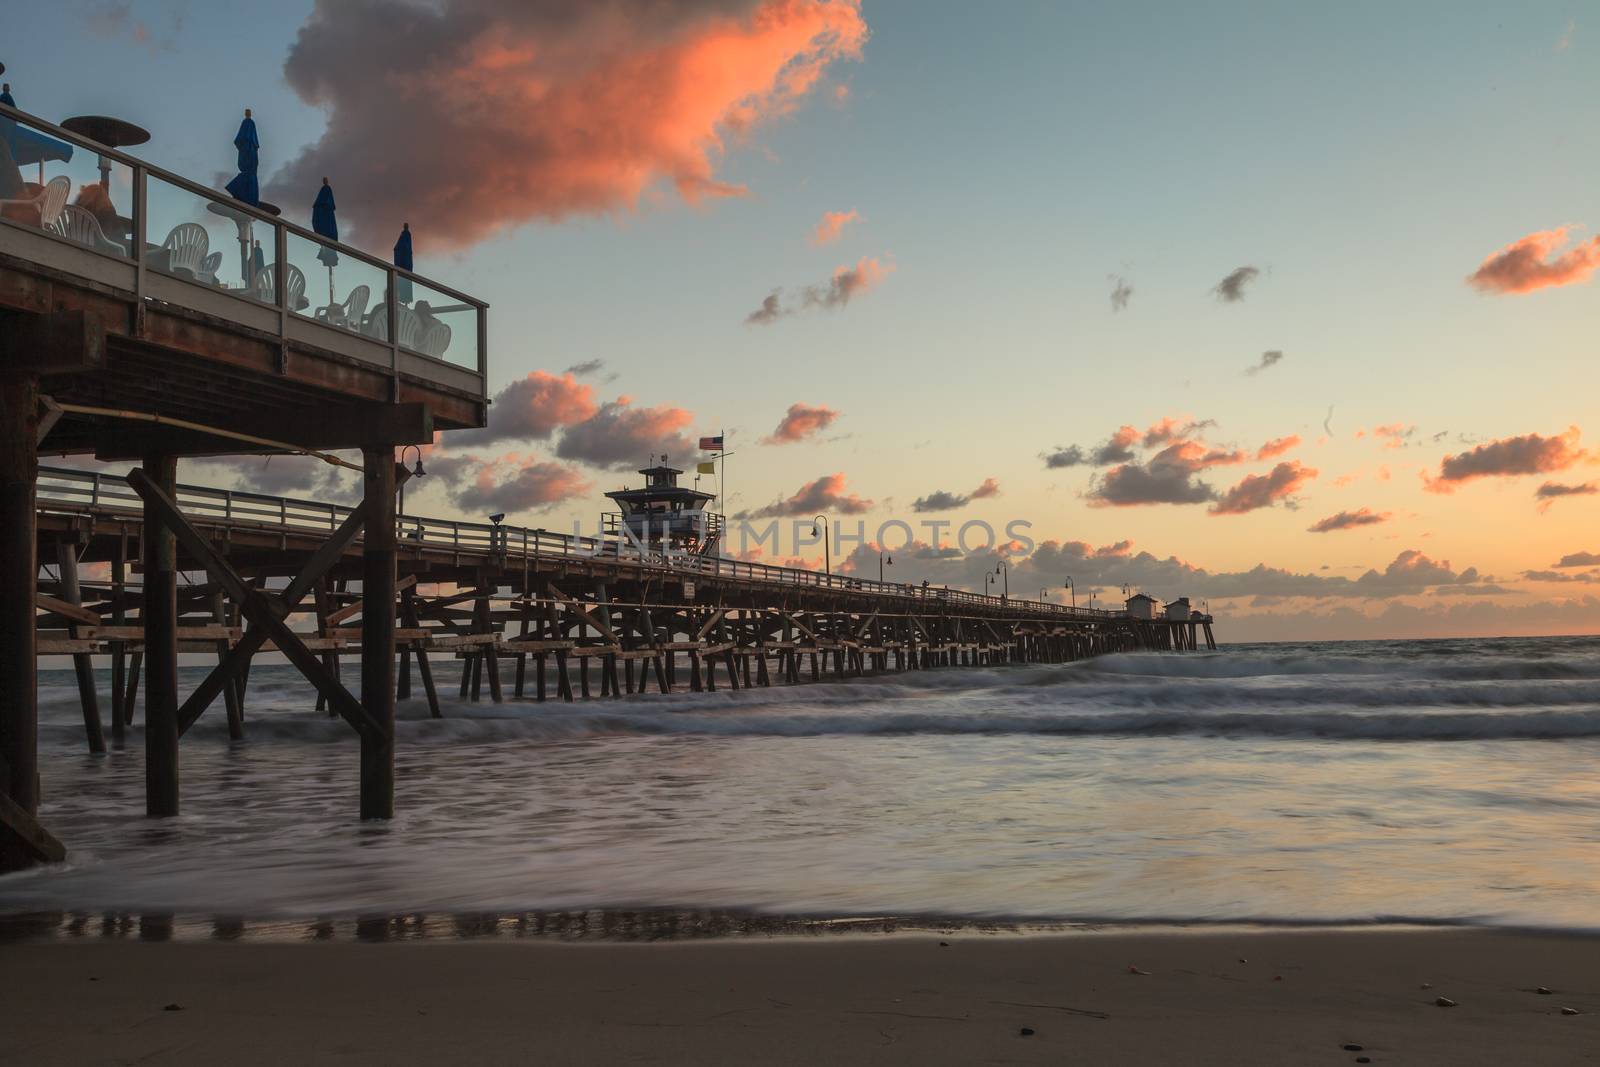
(1213, 997)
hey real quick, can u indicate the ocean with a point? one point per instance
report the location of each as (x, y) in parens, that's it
(1405, 781)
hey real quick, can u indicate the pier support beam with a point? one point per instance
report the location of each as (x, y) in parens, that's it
(159, 613)
(19, 702)
(377, 634)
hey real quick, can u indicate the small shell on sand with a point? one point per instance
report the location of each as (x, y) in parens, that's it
(1444, 1002)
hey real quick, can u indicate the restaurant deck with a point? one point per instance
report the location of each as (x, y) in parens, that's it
(144, 316)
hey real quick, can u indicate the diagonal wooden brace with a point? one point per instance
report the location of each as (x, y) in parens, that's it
(284, 603)
(577, 608)
(262, 611)
(38, 842)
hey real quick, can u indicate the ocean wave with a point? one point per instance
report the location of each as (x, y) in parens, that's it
(529, 722)
(1262, 665)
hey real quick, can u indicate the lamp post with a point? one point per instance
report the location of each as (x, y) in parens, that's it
(1042, 594)
(988, 581)
(1074, 592)
(417, 473)
(816, 531)
(1005, 573)
(882, 559)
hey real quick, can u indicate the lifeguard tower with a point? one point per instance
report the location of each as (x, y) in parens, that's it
(664, 515)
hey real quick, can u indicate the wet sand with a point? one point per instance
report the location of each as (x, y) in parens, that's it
(1269, 997)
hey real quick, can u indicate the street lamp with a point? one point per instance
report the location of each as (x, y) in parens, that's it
(1074, 592)
(882, 559)
(1005, 572)
(419, 472)
(816, 531)
(1042, 594)
(989, 580)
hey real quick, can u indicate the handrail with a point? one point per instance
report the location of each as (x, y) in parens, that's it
(68, 489)
(212, 194)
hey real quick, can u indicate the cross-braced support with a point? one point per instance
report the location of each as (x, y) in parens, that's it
(266, 615)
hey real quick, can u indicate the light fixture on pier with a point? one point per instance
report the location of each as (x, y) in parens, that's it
(416, 473)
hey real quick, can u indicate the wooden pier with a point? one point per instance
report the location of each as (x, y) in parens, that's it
(124, 337)
(118, 351)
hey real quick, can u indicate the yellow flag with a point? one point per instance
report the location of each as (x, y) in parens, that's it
(706, 468)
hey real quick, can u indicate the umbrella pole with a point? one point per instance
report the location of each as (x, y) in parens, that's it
(330, 285)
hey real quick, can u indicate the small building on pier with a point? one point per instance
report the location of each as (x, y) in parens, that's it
(666, 515)
(1142, 606)
(1180, 610)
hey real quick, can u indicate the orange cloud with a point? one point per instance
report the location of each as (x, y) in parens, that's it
(801, 422)
(1526, 264)
(1508, 458)
(542, 111)
(847, 282)
(1349, 520)
(509, 483)
(826, 494)
(1395, 434)
(533, 407)
(1264, 490)
(620, 436)
(1278, 446)
(832, 225)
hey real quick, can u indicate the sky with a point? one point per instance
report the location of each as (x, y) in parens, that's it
(1290, 309)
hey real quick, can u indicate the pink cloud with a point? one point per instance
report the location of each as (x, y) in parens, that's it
(801, 421)
(621, 436)
(826, 494)
(1278, 446)
(511, 483)
(1264, 490)
(1349, 520)
(1526, 264)
(533, 408)
(517, 112)
(832, 225)
(1395, 434)
(1508, 458)
(1170, 428)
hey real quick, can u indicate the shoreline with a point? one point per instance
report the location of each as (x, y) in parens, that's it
(652, 925)
(1213, 996)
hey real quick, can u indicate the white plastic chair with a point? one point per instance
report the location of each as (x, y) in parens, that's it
(79, 224)
(48, 201)
(348, 313)
(435, 338)
(186, 246)
(408, 327)
(208, 268)
(265, 286)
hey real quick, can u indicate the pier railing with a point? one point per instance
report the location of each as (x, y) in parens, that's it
(77, 491)
(115, 220)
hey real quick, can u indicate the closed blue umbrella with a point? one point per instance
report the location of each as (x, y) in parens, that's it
(325, 224)
(402, 259)
(244, 186)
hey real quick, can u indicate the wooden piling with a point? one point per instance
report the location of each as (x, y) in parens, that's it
(119, 649)
(82, 662)
(377, 633)
(159, 614)
(19, 707)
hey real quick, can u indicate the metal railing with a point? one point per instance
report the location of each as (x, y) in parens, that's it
(67, 490)
(399, 322)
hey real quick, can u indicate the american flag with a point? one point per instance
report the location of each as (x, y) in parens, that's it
(711, 444)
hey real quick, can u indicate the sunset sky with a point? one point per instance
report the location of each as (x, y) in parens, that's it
(1291, 309)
